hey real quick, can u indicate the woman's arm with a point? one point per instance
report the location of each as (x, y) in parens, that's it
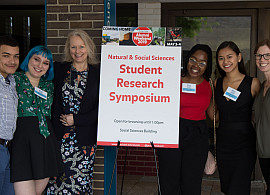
(255, 87)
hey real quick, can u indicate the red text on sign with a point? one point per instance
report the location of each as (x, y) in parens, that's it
(140, 70)
(140, 84)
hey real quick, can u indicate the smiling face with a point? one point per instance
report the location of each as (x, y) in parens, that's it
(78, 50)
(195, 66)
(38, 66)
(9, 60)
(263, 64)
(228, 59)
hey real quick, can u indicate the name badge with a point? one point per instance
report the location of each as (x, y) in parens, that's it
(232, 94)
(40, 93)
(188, 88)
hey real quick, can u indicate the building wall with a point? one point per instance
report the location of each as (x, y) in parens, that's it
(64, 16)
(149, 14)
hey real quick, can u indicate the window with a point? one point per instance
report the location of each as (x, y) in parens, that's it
(127, 15)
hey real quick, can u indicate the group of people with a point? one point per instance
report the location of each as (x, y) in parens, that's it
(236, 95)
(53, 124)
(48, 129)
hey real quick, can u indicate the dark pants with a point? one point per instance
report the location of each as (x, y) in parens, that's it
(265, 167)
(181, 169)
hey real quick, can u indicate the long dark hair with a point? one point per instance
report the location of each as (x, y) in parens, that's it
(207, 73)
(234, 47)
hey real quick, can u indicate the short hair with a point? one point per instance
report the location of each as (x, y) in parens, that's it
(8, 40)
(234, 47)
(45, 52)
(208, 71)
(262, 43)
(89, 44)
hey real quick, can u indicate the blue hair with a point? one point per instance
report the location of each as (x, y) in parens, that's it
(45, 52)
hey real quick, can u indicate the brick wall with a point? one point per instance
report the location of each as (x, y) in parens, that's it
(140, 161)
(64, 16)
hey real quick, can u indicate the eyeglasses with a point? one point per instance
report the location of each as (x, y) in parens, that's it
(266, 56)
(192, 61)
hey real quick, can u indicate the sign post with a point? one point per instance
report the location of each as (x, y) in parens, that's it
(109, 152)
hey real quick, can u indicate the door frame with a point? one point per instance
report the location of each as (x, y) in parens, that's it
(258, 11)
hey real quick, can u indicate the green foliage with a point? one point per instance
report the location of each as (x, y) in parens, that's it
(191, 26)
(158, 32)
(126, 21)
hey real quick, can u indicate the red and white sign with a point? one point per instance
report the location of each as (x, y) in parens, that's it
(139, 92)
(142, 36)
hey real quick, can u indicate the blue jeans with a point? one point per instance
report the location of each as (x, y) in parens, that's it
(5, 186)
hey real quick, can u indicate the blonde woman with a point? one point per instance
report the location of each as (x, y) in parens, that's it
(74, 114)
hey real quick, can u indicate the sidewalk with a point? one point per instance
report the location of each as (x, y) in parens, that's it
(147, 185)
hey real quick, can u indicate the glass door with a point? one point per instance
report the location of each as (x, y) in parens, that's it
(213, 30)
(213, 26)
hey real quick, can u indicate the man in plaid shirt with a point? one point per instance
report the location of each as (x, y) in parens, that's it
(9, 62)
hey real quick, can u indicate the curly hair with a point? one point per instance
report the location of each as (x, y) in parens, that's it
(207, 73)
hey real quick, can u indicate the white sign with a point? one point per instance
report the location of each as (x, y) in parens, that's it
(139, 94)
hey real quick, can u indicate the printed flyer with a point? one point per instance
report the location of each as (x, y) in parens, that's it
(140, 86)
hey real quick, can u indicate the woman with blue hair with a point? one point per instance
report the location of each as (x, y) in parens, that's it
(35, 152)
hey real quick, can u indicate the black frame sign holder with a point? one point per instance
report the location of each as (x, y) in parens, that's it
(115, 162)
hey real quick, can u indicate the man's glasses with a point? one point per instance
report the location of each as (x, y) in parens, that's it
(192, 61)
(266, 56)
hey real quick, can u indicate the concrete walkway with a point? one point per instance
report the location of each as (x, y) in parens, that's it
(146, 185)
